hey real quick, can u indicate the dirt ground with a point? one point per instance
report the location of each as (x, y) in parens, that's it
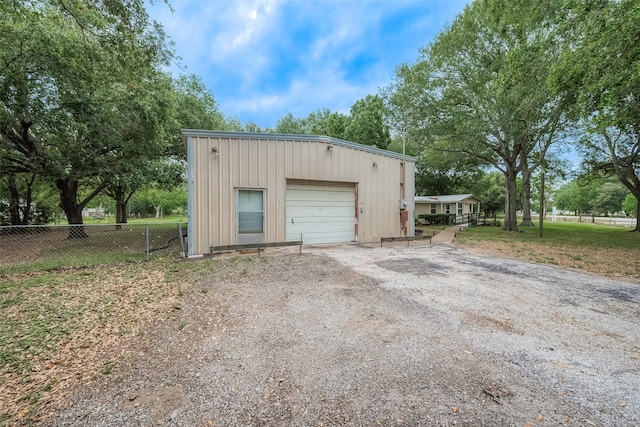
(351, 335)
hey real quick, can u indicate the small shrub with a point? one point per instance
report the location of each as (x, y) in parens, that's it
(438, 219)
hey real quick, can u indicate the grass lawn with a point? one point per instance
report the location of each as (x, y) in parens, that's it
(112, 220)
(50, 246)
(63, 326)
(611, 251)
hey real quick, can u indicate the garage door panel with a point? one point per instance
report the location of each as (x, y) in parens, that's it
(314, 211)
(316, 196)
(322, 213)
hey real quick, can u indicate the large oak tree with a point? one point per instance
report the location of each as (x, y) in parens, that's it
(598, 76)
(480, 89)
(73, 74)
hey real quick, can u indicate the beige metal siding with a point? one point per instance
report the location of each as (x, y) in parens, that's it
(247, 162)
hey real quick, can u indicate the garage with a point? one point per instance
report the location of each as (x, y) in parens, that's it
(248, 188)
(322, 212)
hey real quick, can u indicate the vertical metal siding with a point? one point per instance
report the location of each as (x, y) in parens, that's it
(267, 164)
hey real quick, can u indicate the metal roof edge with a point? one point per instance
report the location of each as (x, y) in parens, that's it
(300, 137)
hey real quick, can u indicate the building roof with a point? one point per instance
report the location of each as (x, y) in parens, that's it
(448, 198)
(280, 136)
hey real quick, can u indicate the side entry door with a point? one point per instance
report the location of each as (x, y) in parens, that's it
(250, 222)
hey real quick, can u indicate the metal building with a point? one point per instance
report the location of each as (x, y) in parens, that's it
(259, 187)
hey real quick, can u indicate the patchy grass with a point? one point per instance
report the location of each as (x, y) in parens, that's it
(44, 248)
(61, 327)
(112, 220)
(610, 251)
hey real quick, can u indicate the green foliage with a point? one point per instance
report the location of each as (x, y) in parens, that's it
(598, 80)
(609, 197)
(480, 89)
(438, 219)
(575, 197)
(367, 123)
(490, 189)
(327, 123)
(291, 125)
(443, 172)
(630, 205)
(158, 200)
(600, 196)
(81, 91)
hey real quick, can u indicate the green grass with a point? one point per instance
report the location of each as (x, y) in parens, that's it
(557, 234)
(42, 309)
(112, 220)
(50, 247)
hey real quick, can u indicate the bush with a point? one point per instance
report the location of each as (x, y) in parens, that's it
(439, 219)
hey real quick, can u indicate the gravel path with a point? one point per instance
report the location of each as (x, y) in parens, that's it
(419, 335)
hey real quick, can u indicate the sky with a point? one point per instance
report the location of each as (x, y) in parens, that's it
(264, 59)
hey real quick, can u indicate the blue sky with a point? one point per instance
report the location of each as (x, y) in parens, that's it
(264, 59)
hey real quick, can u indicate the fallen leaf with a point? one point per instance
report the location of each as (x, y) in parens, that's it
(456, 409)
(136, 403)
(540, 417)
(209, 423)
(565, 419)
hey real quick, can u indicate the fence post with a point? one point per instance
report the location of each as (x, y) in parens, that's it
(182, 255)
(147, 235)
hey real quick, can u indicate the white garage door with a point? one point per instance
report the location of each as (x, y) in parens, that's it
(322, 213)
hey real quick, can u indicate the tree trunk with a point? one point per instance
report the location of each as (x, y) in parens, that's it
(510, 209)
(14, 201)
(26, 211)
(68, 189)
(121, 208)
(526, 193)
(637, 229)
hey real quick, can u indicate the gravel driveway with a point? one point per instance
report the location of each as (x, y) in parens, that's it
(351, 335)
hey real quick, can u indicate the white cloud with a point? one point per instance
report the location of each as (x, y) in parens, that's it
(264, 58)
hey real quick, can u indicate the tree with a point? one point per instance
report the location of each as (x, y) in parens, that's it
(441, 172)
(367, 124)
(598, 78)
(184, 103)
(492, 195)
(72, 74)
(164, 200)
(327, 123)
(481, 86)
(630, 205)
(575, 197)
(608, 197)
(291, 125)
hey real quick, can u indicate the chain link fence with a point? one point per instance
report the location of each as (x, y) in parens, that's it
(36, 247)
